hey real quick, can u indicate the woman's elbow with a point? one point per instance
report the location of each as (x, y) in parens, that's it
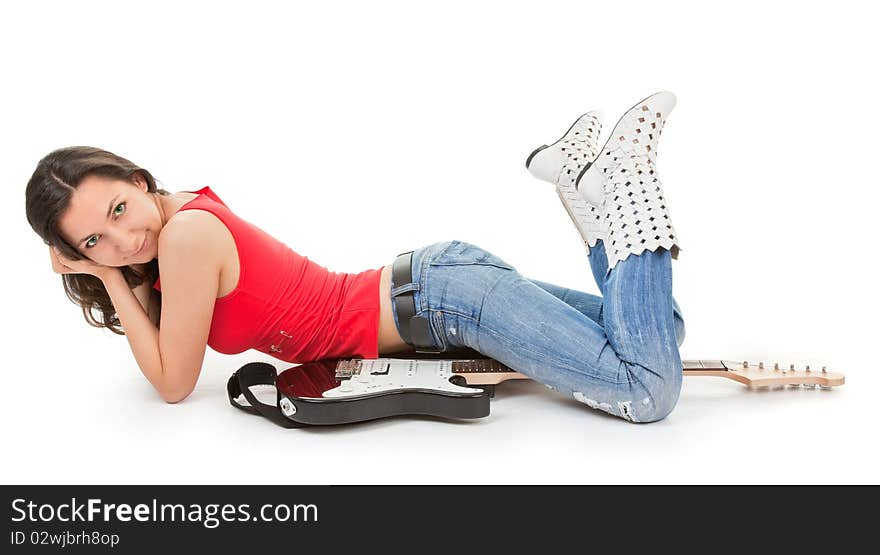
(175, 396)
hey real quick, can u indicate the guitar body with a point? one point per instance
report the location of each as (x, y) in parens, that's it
(339, 391)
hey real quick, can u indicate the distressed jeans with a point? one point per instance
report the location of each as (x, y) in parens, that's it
(617, 352)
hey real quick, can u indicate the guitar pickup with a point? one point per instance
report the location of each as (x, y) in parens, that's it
(384, 372)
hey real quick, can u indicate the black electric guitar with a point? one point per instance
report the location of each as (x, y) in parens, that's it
(339, 391)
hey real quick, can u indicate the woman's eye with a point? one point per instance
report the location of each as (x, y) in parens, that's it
(116, 212)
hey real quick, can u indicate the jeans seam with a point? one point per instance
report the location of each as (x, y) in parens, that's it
(543, 357)
(501, 266)
(423, 274)
(486, 296)
(440, 332)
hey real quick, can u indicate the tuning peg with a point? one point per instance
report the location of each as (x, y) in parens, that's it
(776, 366)
(761, 365)
(823, 370)
(824, 386)
(745, 364)
(791, 367)
(807, 369)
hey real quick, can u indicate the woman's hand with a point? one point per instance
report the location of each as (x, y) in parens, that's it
(63, 265)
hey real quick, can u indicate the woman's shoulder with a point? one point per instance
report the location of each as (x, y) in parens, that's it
(198, 239)
(199, 226)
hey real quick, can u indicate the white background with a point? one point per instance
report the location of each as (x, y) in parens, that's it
(355, 131)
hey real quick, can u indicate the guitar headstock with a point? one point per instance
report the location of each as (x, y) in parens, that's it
(767, 375)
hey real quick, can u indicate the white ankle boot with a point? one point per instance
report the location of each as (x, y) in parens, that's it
(624, 176)
(562, 162)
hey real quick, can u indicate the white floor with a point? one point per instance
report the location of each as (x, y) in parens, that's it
(89, 426)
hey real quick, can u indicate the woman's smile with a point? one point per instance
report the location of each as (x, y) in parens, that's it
(141, 248)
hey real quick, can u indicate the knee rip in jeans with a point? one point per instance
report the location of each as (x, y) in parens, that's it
(656, 405)
(624, 408)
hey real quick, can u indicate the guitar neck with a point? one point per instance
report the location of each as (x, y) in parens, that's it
(490, 371)
(485, 371)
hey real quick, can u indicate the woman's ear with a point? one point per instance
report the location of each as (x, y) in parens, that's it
(139, 180)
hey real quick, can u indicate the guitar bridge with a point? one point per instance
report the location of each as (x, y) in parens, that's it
(348, 368)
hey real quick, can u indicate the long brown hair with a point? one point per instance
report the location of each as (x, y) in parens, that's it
(47, 197)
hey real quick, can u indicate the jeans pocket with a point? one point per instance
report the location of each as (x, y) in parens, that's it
(460, 252)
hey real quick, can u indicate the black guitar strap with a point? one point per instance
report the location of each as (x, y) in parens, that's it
(257, 373)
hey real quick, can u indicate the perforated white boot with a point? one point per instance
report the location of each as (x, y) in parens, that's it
(561, 163)
(624, 175)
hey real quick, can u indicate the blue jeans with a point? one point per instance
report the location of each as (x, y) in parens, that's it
(617, 353)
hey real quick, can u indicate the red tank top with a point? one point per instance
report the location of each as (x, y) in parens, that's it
(281, 293)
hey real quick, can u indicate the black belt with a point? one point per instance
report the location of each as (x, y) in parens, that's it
(415, 330)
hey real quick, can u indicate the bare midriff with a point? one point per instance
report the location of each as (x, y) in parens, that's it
(389, 338)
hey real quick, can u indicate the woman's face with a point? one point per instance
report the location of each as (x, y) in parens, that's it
(108, 220)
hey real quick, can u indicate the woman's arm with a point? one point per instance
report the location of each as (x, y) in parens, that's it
(189, 261)
(142, 334)
(149, 299)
